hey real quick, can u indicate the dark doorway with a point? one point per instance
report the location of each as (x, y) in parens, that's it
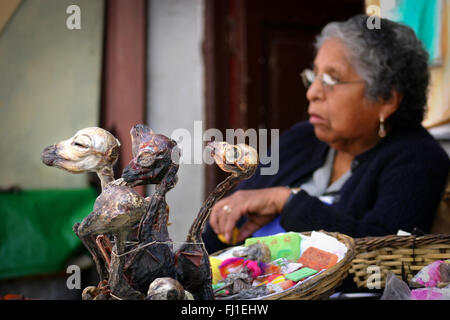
(254, 53)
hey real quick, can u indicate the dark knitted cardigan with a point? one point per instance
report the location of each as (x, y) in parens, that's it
(395, 185)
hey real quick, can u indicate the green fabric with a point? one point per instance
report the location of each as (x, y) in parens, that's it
(36, 233)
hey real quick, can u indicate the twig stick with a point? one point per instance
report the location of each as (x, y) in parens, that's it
(151, 243)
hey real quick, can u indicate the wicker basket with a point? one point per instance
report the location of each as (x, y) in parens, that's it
(403, 255)
(323, 285)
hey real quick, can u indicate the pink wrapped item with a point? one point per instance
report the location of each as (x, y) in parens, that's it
(430, 275)
(231, 265)
(256, 268)
(430, 294)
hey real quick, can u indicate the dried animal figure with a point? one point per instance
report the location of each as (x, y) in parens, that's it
(119, 208)
(167, 289)
(256, 252)
(116, 210)
(236, 282)
(152, 155)
(153, 257)
(89, 150)
(191, 259)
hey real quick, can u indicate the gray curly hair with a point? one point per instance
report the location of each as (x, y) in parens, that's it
(389, 58)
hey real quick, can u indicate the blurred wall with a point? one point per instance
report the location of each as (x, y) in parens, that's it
(176, 94)
(439, 91)
(49, 87)
(439, 98)
(7, 8)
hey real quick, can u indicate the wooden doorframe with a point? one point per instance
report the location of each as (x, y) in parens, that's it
(225, 67)
(230, 99)
(124, 73)
(215, 55)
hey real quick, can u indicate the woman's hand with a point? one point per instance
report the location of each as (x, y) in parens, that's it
(261, 206)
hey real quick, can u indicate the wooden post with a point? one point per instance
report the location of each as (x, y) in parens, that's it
(124, 74)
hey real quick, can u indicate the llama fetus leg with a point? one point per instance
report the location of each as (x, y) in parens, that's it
(118, 284)
(91, 246)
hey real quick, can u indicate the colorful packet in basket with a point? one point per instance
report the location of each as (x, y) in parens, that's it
(215, 271)
(318, 259)
(300, 274)
(255, 268)
(280, 283)
(429, 276)
(282, 245)
(231, 265)
(430, 293)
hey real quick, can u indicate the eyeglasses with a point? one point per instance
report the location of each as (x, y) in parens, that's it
(308, 77)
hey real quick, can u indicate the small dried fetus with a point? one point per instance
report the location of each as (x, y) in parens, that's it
(256, 252)
(155, 258)
(167, 289)
(238, 281)
(191, 259)
(91, 149)
(119, 208)
(116, 211)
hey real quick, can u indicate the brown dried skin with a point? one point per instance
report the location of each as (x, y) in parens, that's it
(152, 156)
(152, 163)
(90, 243)
(191, 259)
(116, 210)
(156, 260)
(91, 149)
(118, 207)
(241, 159)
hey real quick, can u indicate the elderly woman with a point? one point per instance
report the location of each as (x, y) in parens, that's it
(363, 165)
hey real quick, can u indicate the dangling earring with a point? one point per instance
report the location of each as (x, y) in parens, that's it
(381, 129)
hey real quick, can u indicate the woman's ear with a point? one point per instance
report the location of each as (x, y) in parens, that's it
(388, 107)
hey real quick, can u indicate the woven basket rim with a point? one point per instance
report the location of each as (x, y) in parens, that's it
(309, 285)
(403, 255)
(396, 241)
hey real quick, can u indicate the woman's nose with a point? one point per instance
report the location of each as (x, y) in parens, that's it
(315, 91)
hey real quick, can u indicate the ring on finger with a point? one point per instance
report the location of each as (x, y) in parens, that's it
(226, 208)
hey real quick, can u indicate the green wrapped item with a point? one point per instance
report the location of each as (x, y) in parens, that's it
(219, 285)
(36, 235)
(282, 245)
(300, 274)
